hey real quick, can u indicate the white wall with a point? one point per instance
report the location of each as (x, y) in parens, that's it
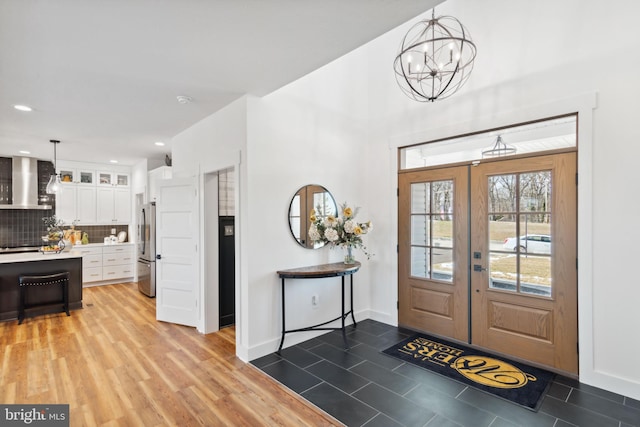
(309, 132)
(215, 143)
(340, 127)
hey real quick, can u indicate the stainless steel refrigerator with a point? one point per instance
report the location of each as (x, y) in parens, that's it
(147, 249)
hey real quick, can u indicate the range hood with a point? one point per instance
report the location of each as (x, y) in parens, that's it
(24, 184)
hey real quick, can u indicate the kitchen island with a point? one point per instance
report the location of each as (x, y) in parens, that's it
(35, 263)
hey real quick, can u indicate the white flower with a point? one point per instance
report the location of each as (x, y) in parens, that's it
(331, 234)
(349, 226)
(330, 221)
(314, 234)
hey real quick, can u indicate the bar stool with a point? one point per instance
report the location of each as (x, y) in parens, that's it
(27, 280)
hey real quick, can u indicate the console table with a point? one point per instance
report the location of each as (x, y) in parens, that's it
(337, 269)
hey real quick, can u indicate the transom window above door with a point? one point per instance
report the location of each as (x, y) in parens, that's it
(538, 137)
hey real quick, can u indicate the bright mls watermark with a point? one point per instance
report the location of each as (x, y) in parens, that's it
(36, 415)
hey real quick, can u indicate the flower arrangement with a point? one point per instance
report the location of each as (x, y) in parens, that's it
(342, 230)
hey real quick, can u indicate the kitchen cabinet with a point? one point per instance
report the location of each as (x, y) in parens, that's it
(163, 172)
(94, 193)
(91, 263)
(106, 264)
(78, 176)
(113, 205)
(119, 179)
(117, 262)
(75, 203)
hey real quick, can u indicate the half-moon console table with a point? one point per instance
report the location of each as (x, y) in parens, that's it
(337, 269)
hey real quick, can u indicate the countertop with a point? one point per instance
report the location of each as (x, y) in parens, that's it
(37, 256)
(96, 245)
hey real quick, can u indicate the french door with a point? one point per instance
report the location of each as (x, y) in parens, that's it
(510, 284)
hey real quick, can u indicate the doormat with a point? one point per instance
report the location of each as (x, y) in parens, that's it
(516, 382)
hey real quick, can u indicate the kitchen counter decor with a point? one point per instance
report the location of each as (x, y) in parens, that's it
(55, 239)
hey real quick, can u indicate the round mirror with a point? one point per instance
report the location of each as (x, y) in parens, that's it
(307, 198)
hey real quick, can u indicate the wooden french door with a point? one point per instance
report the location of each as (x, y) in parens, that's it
(512, 286)
(433, 251)
(524, 299)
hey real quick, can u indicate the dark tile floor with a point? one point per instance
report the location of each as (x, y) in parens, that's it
(363, 387)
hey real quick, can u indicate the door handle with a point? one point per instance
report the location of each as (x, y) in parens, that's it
(158, 256)
(477, 267)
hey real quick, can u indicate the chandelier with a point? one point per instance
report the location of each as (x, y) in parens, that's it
(435, 60)
(498, 149)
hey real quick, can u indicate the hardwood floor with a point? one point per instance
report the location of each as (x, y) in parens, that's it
(115, 365)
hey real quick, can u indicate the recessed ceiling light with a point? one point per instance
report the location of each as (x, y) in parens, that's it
(184, 99)
(113, 161)
(23, 107)
(159, 143)
(24, 152)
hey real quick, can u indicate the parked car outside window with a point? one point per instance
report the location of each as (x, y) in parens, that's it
(533, 243)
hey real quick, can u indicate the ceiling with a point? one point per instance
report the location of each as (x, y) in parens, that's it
(103, 76)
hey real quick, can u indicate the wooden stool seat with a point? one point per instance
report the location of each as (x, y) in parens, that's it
(30, 281)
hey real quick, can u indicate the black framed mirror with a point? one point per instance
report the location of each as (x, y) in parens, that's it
(303, 201)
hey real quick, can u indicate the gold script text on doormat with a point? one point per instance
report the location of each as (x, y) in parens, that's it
(480, 369)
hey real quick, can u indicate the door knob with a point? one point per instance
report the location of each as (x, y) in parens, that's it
(477, 267)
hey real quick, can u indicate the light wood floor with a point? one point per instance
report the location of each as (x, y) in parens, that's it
(117, 366)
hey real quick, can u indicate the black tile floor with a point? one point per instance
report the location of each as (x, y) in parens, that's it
(363, 387)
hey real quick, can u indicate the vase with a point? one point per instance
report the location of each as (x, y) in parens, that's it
(349, 258)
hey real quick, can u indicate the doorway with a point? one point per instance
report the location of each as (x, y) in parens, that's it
(487, 256)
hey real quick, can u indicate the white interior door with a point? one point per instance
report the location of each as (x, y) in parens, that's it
(177, 272)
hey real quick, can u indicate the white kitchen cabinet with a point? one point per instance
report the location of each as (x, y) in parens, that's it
(117, 262)
(117, 179)
(79, 176)
(163, 172)
(106, 264)
(91, 263)
(113, 205)
(76, 204)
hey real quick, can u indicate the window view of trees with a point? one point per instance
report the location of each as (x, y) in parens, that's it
(520, 238)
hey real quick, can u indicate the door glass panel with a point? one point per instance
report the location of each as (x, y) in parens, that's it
(502, 193)
(419, 262)
(443, 231)
(503, 271)
(419, 230)
(432, 230)
(520, 259)
(442, 263)
(535, 275)
(420, 197)
(535, 233)
(535, 192)
(501, 228)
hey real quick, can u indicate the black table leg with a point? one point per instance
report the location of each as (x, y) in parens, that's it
(344, 333)
(283, 328)
(352, 316)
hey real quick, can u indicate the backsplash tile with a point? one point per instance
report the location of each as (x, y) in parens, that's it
(97, 233)
(24, 227)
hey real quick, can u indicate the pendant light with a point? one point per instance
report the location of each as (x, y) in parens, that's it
(435, 59)
(499, 149)
(54, 184)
